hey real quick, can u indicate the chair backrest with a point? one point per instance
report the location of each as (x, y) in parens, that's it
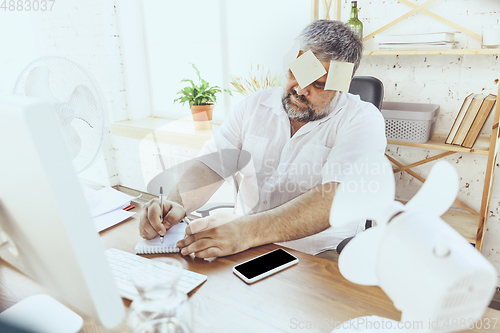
(369, 89)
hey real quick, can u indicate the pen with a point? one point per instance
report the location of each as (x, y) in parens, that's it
(161, 209)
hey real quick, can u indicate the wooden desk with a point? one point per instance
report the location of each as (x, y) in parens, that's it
(313, 291)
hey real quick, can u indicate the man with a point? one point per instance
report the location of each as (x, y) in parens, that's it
(302, 141)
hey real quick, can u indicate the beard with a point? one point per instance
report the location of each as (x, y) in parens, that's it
(307, 112)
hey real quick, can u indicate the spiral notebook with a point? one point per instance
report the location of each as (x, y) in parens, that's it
(173, 235)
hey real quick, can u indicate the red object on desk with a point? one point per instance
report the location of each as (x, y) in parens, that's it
(129, 207)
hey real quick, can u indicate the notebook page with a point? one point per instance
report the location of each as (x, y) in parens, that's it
(173, 235)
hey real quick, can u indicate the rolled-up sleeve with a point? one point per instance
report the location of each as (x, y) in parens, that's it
(357, 137)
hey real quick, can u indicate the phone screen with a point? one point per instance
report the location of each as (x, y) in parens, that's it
(265, 263)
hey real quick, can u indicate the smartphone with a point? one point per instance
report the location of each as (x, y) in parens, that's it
(267, 264)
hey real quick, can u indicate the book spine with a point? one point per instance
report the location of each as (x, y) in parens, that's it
(477, 126)
(456, 124)
(470, 115)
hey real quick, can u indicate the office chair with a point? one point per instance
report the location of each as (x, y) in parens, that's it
(369, 89)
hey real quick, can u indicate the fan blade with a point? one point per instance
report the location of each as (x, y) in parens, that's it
(37, 84)
(73, 141)
(365, 193)
(84, 104)
(357, 261)
(438, 192)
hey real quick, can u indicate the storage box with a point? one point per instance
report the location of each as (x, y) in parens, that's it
(412, 122)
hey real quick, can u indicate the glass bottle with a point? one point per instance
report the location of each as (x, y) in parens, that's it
(355, 24)
(161, 307)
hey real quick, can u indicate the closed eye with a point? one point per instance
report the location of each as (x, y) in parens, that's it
(319, 85)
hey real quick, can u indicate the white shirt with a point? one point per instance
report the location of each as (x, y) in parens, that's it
(283, 167)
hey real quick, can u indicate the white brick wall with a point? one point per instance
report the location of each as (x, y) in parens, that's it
(87, 33)
(440, 79)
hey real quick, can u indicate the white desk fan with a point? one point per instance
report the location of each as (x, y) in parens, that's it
(430, 272)
(77, 100)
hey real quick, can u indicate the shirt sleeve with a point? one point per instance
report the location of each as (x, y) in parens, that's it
(364, 133)
(222, 152)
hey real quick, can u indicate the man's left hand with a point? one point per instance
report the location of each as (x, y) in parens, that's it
(214, 236)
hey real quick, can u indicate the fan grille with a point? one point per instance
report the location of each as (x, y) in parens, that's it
(77, 100)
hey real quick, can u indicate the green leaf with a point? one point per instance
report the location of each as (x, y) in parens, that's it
(204, 85)
(197, 71)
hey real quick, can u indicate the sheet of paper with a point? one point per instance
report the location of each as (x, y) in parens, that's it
(307, 69)
(339, 76)
(291, 56)
(107, 200)
(108, 220)
(173, 235)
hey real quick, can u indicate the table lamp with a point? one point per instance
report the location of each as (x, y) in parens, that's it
(429, 271)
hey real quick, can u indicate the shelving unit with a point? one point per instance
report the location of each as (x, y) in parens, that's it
(470, 224)
(432, 52)
(481, 147)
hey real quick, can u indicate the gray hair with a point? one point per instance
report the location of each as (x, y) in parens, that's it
(331, 40)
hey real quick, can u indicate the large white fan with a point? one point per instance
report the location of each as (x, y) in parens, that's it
(77, 100)
(430, 272)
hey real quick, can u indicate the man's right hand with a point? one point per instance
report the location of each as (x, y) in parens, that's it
(151, 224)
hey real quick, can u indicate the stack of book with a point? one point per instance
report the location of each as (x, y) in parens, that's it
(430, 41)
(470, 120)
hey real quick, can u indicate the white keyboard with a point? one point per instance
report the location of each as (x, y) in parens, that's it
(122, 263)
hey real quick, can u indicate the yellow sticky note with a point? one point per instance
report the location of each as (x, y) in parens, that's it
(339, 76)
(307, 69)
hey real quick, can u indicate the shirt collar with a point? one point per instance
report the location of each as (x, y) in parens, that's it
(273, 101)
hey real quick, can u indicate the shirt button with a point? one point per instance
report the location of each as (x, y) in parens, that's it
(265, 202)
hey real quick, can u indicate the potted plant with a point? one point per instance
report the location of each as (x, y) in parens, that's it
(201, 97)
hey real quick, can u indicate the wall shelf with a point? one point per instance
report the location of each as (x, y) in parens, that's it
(179, 132)
(432, 52)
(463, 222)
(481, 147)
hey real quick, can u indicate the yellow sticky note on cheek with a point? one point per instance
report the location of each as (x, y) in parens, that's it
(307, 69)
(339, 76)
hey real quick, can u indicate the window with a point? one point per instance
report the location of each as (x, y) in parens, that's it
(220, 37)
(18, 48)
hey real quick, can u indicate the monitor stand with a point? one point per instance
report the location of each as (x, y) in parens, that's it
(42, 313)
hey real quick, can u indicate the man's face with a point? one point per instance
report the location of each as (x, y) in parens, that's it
(311, 103)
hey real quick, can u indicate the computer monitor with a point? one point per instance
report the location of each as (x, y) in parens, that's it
(46, 229)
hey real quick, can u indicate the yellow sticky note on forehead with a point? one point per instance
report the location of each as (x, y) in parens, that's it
(339, 76)
(307, 69)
